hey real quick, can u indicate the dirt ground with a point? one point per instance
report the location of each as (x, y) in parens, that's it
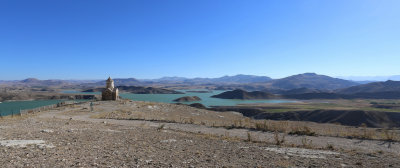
(76, 137)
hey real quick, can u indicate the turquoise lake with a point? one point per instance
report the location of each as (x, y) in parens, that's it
(7, 108)
(13, 107)
(206, 98)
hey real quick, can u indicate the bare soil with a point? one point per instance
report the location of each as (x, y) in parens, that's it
(76, 137)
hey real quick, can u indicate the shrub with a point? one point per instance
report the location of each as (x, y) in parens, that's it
(306, 143)
(161, 127)
(249, 138)
(330, 146)
(302, 131)
(279, 141)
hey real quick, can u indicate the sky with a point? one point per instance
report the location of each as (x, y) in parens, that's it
(94, 39)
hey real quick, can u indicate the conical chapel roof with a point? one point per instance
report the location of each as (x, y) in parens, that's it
(109, 79)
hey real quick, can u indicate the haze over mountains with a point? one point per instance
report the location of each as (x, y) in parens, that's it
(225, 79)
(388, 86)
(371, 78)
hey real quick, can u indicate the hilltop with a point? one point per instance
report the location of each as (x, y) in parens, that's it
(388, 86)
(143, 134)
(311, 81)
(241, 94)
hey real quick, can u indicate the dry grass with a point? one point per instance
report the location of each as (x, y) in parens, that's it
(306, 143)
(279, 140)
(187, 115)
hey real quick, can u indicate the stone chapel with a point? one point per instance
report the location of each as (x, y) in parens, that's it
(110, 92)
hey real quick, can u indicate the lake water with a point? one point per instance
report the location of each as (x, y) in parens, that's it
(206, 98)
(13, 107)
(7, 108)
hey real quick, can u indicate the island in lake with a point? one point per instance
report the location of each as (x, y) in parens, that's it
(187, 99)
(241, 94)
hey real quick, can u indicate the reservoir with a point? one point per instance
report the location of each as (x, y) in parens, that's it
(206, 98)
(13, 107)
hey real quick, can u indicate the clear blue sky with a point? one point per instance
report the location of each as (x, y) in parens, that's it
(85, 39)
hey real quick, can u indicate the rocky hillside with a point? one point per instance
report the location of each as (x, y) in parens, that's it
(299, 91)
(344, 117)
(388, 86)
(33, 82)
(187, 99)
(241, 94)
(311, 81)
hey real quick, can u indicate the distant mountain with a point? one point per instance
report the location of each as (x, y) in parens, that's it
(138, 90)
(242, 79)
(147, 90)
(241, 94)
(388, 86)
(311, 81)
(300, 91)
(121, 82)
(33, 82)
(30, 80)
(365, 82)
(175, 78)
(371, 78)
(237, 79)
(376, 90)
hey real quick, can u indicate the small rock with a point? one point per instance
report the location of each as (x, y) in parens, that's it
(46, 131)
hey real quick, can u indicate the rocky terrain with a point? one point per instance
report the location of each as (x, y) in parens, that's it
(241, 94)
(373, 113)
(187, 99)
(344, 117)
(311, 81)
(376, 90)
(76, 137)
(388, 86)
(23, 93)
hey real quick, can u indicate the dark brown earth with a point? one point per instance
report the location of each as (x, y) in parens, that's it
(187, 99)
(376, 119)
(241, 94)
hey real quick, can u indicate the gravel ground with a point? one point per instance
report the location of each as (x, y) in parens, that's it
(70, 138)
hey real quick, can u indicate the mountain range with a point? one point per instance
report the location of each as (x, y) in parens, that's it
(388, 86)
(376, 90)
(311, 81)
(371, 78)
(225, 79)
(296, 84)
